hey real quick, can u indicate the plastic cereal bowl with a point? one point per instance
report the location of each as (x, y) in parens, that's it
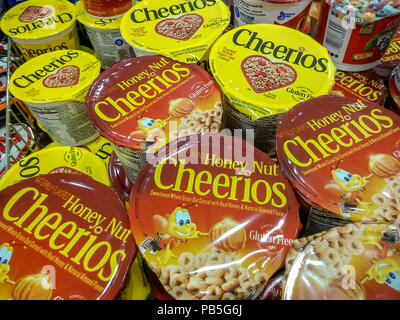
(70, 160)
(105, 37)
(73, 231)
(41, 26)
(343, 158)
(291, 14)
(54, 86)
(231, 253)
(355, 262)
(357, 33)
(139, 104)
(271, 69)
(181, 31)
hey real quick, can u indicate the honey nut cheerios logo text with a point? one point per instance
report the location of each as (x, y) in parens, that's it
(41, 24)
(251, 40)
(305, 153)
(143, 15)
(80, 245)
(359, 84)
(161, 76)
(222, 185)
(25, 81)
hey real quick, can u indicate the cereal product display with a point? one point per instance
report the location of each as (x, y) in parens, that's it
(105, 37)
(357, 33)
(183, 31)
(70, 160)
(343, 158)
(63, 237)
(54, 86)
(139, 104)
(358, 261)
(365, 85)
(106, 8)
(213, 217)
(391, 58)
(41, 26)
(291, 14)
(271, 69)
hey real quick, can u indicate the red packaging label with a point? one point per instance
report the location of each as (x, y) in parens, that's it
(63, 237)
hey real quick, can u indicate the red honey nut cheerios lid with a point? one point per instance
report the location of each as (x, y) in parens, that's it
(365, 85)
(342, 155)
(215, 204)
(75, 233)
(153, 99)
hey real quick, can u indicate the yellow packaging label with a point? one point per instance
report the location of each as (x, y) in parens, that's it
(181, 30)
(56, 76)
(57, 160)
(38, 19)
(265, 69)
(69, 40)
(89, 21)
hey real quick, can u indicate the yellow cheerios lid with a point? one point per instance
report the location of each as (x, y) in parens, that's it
(55, 76)
(181, 30)
(271, 68)
(89, 21)
(71, 160)
(37, 19)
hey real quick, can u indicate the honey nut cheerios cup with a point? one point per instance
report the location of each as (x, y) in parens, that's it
(365, 85)
(141, 103)
(41, 26)
(182, 31)
(231, 253)
(54, 86)
(75, 233)
(343, 158)
(359, 261)
(271, 69)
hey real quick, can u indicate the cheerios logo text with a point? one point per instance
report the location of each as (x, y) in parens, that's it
(252, 40)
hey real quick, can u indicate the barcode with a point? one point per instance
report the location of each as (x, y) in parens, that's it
(347, 208)
(335, 35)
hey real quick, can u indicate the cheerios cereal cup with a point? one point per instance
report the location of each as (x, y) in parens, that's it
(181, 31)
(139, 104)
(271, 69)
(41, 26)
(359, 261)
(357, 33)
(343, 158)
(213, 218)
(54, 86)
